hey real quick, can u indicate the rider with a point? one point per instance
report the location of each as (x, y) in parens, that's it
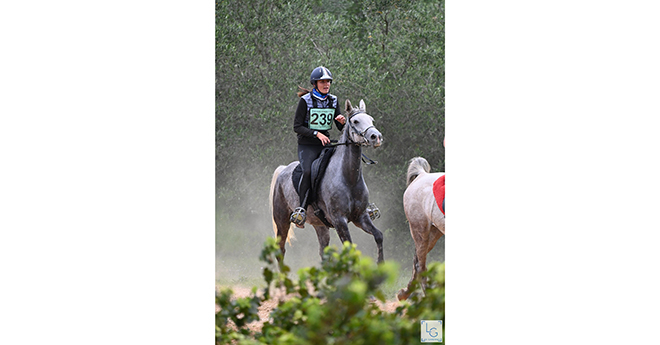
(316, 111)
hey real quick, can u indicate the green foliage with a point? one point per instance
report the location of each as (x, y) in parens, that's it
(331, 305)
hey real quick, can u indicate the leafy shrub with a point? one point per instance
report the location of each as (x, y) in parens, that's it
(335, 304)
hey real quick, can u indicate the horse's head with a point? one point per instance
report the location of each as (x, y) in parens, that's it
(361, 126)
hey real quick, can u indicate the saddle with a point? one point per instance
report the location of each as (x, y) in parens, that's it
(318, 170)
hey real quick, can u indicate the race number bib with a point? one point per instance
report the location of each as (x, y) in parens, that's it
(321, 118)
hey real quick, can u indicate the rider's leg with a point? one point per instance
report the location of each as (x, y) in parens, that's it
(306, 155)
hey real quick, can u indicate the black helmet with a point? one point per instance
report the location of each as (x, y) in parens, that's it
(320, 73)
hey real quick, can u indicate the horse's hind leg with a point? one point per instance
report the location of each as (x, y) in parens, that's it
(368, 226)
(420, 235)
(405, 293)
(281, 220)
(282, 232)
(434, 236)
(323, 233)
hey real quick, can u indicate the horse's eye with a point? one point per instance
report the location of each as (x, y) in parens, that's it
(355, 122)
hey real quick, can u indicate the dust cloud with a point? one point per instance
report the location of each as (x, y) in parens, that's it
(243, 224)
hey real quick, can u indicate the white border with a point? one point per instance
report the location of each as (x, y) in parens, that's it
(552, 142)
(107, 188)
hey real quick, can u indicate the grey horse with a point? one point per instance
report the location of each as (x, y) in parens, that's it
(342, 194)
(427, 222)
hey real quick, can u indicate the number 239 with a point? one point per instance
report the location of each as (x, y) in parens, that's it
(325, 119)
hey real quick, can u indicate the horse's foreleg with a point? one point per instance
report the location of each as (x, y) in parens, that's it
(368, 226)
(323, 233)
(342, 230)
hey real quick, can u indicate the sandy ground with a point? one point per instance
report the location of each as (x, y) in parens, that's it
(268, 306)
(264, 309)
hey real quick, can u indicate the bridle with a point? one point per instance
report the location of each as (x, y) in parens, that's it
(350, 141)
(364, 141)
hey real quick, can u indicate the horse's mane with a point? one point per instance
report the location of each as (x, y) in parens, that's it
(344, 132)
(417, 166)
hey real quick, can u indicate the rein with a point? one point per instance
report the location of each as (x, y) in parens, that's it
(365, 159)
(337, 143)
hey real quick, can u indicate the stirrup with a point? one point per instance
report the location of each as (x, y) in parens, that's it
(298, 216)
(373, 211)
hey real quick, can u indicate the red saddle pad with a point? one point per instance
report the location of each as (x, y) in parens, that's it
(439, 192)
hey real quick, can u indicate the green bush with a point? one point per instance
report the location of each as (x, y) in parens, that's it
(333, 304)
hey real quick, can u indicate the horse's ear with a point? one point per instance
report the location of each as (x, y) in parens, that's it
(362, 106)
(349, 107)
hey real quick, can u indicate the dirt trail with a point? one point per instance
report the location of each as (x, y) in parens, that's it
(267, 307)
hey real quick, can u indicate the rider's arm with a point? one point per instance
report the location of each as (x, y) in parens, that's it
(340, 127)
(299, 120)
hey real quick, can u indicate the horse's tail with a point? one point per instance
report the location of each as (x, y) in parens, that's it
(417, 166)
(271, 194)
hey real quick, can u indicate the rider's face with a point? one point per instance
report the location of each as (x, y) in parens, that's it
(323, 85)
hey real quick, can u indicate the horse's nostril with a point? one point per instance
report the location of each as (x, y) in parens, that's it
(373, 137)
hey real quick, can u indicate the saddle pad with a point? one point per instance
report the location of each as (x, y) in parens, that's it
(439, 192)
(318, 169)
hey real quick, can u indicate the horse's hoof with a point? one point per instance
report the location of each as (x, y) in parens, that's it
(298, 217)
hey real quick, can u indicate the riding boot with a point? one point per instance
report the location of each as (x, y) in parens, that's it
(373, 211)
(298, 216)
